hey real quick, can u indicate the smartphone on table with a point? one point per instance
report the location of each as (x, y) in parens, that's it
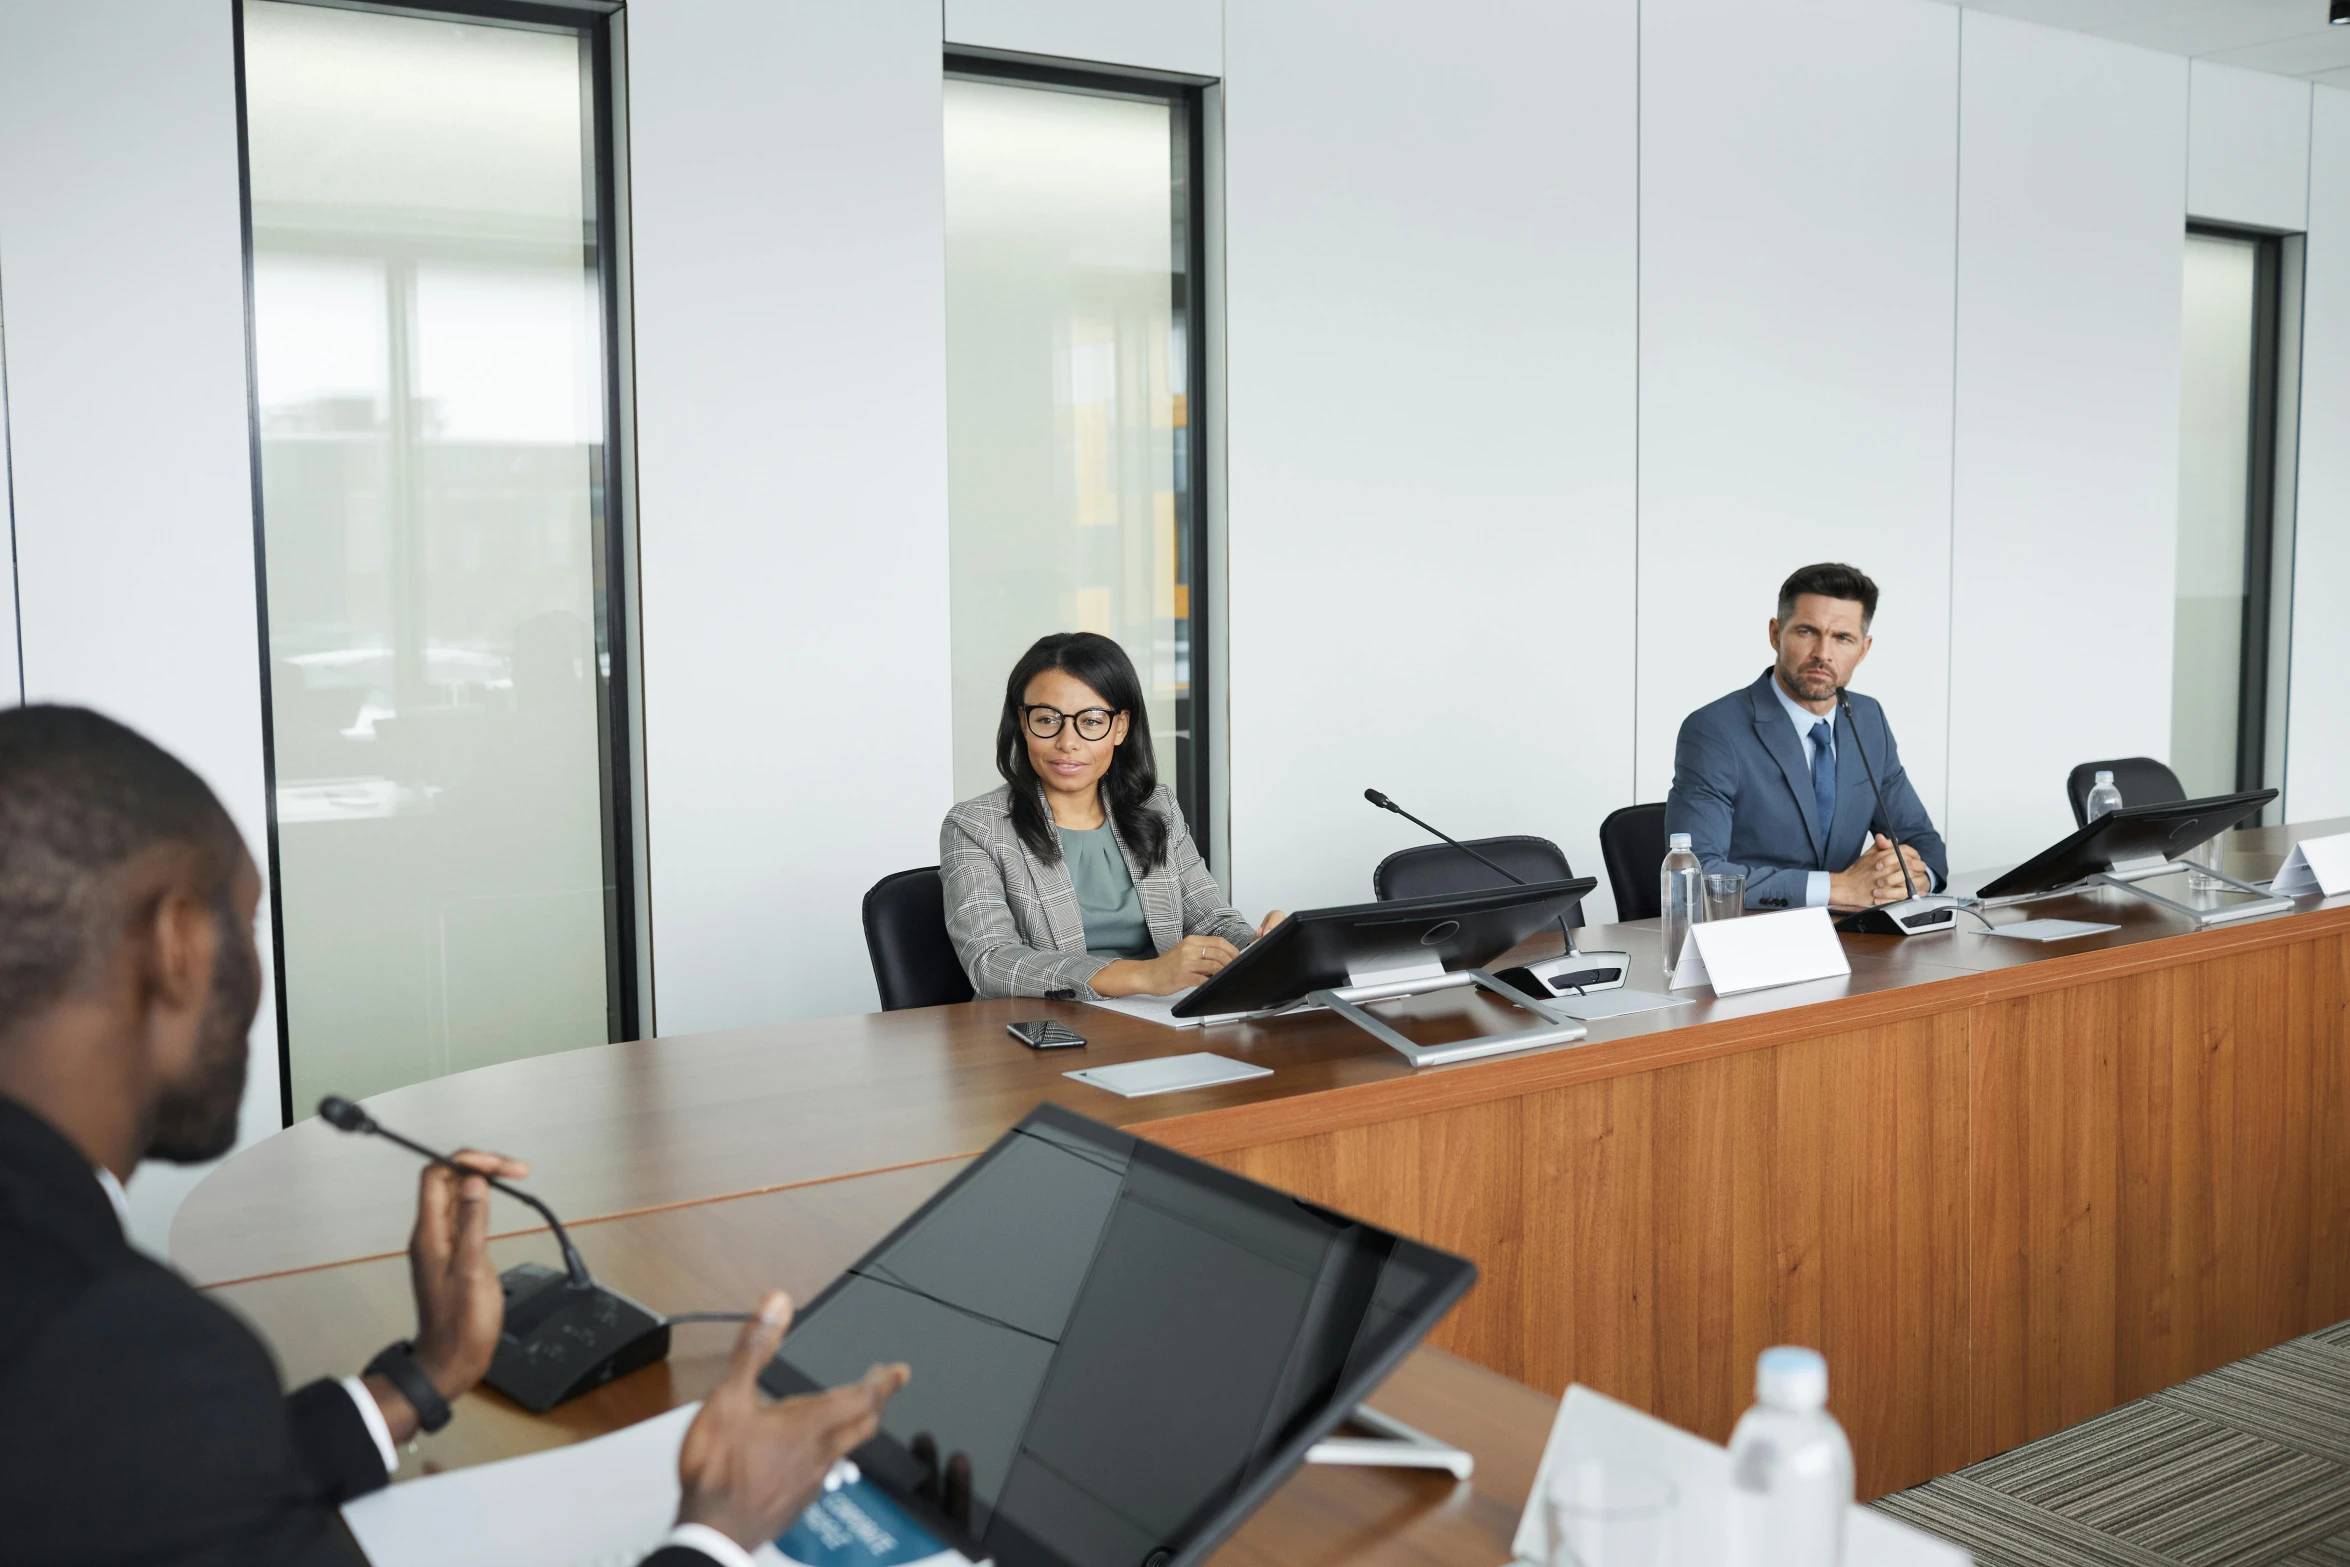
(1045, 1034)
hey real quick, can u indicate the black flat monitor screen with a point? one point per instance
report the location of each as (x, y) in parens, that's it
(1323, 949)
(2134, 832)
(1131, 1347)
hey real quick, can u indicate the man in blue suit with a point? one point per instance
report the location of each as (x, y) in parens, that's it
(1770, 780)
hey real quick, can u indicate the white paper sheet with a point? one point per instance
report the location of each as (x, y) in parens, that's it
(1168, 1074)
(2315, 865)
(2050, 930)
(1161, 1010)
(1590, 1425)
(605, 1502)
(1151, 1009)
(1596, 1004)
(1761, 950)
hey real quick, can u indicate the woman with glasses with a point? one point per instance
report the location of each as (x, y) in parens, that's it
(1076, 878)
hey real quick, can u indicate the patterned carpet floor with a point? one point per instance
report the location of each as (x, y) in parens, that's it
(2248, 1466)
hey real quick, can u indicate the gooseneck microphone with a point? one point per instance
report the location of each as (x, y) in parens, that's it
(1913, 915)
(563, 1334)
(345, 1116)
(1852, 727)
(1576, 970)
(1385, 804)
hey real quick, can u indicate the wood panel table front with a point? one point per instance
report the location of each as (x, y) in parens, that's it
(2003, 1186)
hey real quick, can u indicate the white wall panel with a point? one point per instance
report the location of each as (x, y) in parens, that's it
(1186, 36)
(1798, 192)
(787, 188)
(2071, 235)
(2247, 147)
(2317, 759)
(123, 261)
(1431, 273)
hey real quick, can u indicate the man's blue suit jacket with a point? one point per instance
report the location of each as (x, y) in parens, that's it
(1742, 792)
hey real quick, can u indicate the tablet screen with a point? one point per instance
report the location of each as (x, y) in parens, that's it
(1126, 1344)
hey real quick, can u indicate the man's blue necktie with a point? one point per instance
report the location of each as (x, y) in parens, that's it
(1823, 776)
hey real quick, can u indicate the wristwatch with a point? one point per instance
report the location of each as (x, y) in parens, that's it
(398, 1366)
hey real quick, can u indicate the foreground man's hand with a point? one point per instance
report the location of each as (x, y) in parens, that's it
(459, 1306)
(749, 1467)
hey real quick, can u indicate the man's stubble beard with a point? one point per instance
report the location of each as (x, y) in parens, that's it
(196, 1120)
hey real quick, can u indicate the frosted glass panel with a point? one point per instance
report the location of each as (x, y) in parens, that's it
(1066, 442)
(2215, 454)
(430, 377)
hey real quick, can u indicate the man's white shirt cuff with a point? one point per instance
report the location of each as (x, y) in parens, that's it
(701, 1537)
(373, 1419)
(1815, 889)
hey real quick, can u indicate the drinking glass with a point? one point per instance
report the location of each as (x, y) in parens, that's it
(1725, 895)
(1606, 1514)
(2201, 861)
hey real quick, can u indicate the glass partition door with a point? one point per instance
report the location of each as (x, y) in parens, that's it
(2227, 461)
(1073, 367)
(429, 336)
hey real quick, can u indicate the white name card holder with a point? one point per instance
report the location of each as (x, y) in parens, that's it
(1758, 951)
(2316, 865)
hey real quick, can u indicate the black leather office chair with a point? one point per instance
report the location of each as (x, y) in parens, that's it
(1632, 844)
(1433, 868)
(914, 964)
(2141, 779)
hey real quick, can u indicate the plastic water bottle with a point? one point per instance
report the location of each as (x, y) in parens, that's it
(2104, 797)
(1790, 1468)
(1681, 896)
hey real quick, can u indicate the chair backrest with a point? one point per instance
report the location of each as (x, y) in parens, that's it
(1632, 844)
(1430, 869)
(914, 964)
(2141, 779)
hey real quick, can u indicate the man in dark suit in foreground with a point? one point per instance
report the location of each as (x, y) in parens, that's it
(140, 1421)
(1771, 779)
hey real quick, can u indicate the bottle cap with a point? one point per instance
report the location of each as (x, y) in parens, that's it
(1679, 840)
(1789, 1377)
(2104, 777)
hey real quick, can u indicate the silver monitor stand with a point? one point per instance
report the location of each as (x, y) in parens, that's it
(1422, 979)
(2127, 874)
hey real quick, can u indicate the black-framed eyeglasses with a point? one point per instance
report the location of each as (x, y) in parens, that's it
(1045, 722)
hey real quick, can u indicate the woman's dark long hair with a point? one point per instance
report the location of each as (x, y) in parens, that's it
(1134, 774)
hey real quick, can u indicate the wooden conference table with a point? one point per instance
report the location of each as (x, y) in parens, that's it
(2003, 1186)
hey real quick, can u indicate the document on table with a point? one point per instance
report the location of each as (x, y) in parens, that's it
(2050, 930)
(1161, 1010)
(1168, 1074)
(607, 1502)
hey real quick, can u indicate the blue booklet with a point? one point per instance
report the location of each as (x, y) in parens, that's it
(857, 1525)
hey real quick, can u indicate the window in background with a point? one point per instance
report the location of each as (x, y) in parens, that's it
(2227, 472)
(1075, 498)
(429, 300)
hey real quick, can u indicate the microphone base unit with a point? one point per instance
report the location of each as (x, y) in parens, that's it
(1570, 974)
(560, 1341)
(1909, 917)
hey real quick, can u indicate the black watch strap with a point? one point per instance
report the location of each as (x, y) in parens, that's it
(398, 1367)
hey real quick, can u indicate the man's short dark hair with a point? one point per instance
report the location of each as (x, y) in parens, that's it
(1830, 579)
(79, 795)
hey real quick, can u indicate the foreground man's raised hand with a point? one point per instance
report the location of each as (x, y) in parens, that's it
(749, 1465)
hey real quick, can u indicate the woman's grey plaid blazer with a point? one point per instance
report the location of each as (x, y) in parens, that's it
(1014, 918)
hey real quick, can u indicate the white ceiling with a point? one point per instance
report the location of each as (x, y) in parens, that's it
(2287, 37)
